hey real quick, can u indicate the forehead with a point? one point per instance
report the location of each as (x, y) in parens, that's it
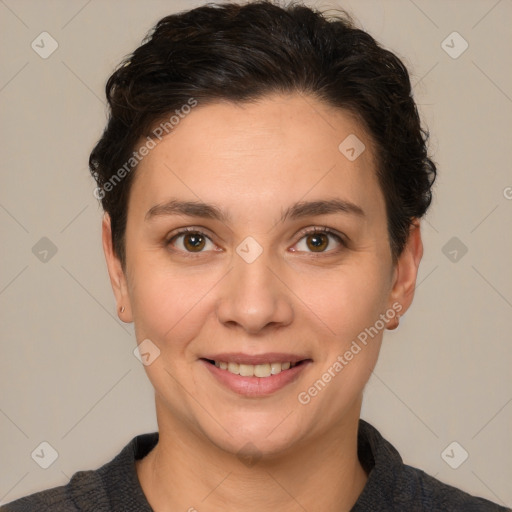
(261, 154)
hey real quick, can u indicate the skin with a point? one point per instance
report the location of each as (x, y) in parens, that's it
(253, 161)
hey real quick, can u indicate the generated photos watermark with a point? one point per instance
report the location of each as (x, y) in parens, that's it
(159, 132)
(305, 397)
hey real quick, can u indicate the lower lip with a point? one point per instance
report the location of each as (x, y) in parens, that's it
(256, 386)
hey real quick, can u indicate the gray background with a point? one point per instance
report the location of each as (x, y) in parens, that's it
(67, 372)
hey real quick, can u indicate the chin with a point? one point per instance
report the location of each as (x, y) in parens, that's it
(258, 434)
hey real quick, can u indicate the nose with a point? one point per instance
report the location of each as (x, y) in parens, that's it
(254, 297)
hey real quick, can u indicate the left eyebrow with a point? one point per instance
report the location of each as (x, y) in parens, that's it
(297, 211)
(324, 207)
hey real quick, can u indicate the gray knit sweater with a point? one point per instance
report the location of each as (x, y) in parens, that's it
(391, 485)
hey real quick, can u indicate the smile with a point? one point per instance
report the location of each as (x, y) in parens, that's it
(255, 380)
(254, 370)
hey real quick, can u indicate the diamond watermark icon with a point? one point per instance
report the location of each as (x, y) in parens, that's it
(249, 454)
(454, 249)
(351, 147)
(146, 352)
(454, 455)
(454, 45)
(44, 250)
(249, 250)
(45, 455)
(44, 45)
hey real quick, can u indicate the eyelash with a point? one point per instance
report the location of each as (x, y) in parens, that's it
(303, 234)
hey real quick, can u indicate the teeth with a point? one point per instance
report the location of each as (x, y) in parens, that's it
(233, 368)
(275, 368)
(254, 370)
(246, 370)
(262, 370)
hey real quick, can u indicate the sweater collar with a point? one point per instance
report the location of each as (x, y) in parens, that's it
(379, 458)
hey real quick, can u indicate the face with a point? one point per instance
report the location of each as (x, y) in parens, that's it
(253, 240)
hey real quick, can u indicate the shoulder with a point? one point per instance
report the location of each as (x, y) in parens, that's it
(416, 486)
(65, 498)
(393, 485)
(97, 490)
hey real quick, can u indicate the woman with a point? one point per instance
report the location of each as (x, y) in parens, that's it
(263, 175)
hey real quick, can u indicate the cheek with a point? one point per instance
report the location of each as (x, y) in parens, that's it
(169, 307)
(348, 348)
(346, 301)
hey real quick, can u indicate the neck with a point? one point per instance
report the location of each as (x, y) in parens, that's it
(185, 471)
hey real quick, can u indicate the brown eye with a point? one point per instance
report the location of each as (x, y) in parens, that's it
(194, 242)
(319, 240)
(189, 241)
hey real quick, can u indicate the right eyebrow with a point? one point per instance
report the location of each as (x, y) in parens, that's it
(190, 208)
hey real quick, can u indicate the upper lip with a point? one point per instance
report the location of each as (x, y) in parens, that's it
(268, 357)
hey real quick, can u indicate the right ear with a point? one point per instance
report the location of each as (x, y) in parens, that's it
(116, 273)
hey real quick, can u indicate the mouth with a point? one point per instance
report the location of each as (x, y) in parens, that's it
(263, 370)
(255, 376)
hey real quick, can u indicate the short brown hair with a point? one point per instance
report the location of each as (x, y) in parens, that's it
(241, 53)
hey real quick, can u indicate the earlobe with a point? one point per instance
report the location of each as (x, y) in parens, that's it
(116, 273)
(393, 323)
(406, 271)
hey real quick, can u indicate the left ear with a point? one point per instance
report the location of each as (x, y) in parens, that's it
(406, 269)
